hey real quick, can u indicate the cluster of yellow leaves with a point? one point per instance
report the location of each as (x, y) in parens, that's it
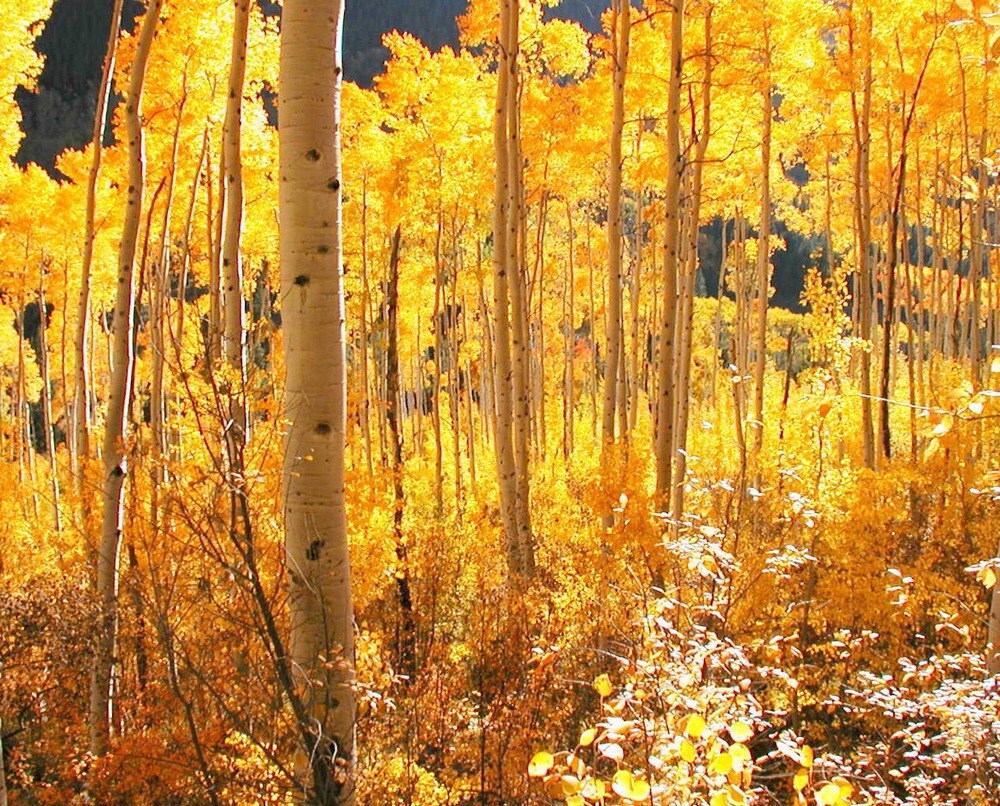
(695, 756)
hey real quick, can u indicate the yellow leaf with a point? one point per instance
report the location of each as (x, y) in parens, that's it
(695, 726)
(741, 732)
(720, 799)
(807, 756)
(933, 449)
(740, 752)
(587, 737)
(801, 779)
(570, 785)
(988, 576)
(688, 752)
(602, 685)
(594, 789)
(721, 764)
(944, 426)
(575, 800)
(995, 365)
(627, 786)
(846, 787)
(540, 764)
(828, 795)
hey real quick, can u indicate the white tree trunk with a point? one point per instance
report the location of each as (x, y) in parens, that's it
(233, 306)
(312, 290)
(119, 401)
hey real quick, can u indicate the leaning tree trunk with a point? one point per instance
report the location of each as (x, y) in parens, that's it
(81, 404)
(119, 400)
(310, 217)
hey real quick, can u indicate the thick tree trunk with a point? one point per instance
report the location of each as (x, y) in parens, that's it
(504, 371)
(312, 290)
(116, 431)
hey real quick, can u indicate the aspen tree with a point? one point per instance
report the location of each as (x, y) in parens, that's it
(512, 393)
(407, 647)
(116, 432)
(83, 391)
(47, 420)
(520, 329)
(310, 214)
(504, 372)
(636, 360)
(569, 325)
(863, 215)
(763, 243)
(683, 407)
(621, 25)
(895, 216)
(159, 293)
(233, 306)
(671, 255)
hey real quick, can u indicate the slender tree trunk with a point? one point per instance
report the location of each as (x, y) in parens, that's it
(763, 253)
(519, 302)
(993, 635)
(82, 393)
(408, 636)
(569, 394)
(863, 215)
(310, 215)
(159, 321)
(43, 363)
(233, 304)
(683, 404)
(116, 431)
(366, 428)
(3, 772)
(438, 318)
(671, 262)
(621, 11)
